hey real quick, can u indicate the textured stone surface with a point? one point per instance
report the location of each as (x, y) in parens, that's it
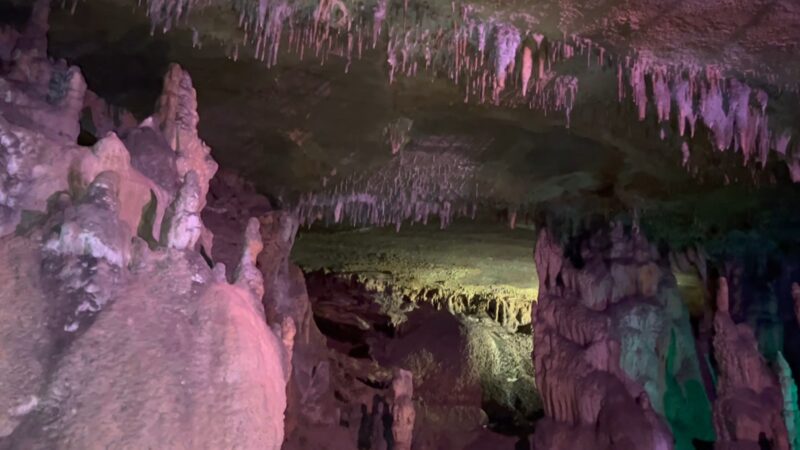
(30, 173)
(183, 225)
(177, 118)
(269, 236)
(110, 341)
(39, 93)
(604, 330)
(137, 193)
(172, 357)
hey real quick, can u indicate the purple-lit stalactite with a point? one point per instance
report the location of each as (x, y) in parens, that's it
(481, 55)
(734, 113)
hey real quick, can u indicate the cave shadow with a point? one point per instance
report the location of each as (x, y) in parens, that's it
(375, 428)
(127, 71)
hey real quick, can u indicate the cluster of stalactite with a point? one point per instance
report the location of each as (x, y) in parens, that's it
(482, 55)
(493, 61)
(734, 113)
(486, 55)
(413, 186)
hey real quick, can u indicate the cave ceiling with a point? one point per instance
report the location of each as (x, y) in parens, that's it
(329, 117)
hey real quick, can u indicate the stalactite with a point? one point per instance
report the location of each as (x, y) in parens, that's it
(413, 186)
(507, 40)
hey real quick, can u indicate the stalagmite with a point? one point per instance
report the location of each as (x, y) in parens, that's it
(248, 276)
(183, 358)
(177, 118)
(403, 413)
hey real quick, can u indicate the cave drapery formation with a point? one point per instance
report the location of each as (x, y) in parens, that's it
(337, 224)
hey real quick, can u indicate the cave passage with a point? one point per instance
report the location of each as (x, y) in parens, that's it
(399, 225)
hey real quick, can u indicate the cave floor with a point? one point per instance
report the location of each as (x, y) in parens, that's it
(484, 263)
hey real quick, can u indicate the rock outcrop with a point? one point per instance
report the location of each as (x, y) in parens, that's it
(38, 93)
(30, 172)
(613, 355)
(282, 291)
(112, 339)
(137, 193)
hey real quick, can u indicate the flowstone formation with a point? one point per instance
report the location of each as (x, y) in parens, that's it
(613, 353)
(112, 338)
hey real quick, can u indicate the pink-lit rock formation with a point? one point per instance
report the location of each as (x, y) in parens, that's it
(310, 390)
(270, 236)
(595, 396)
(31, 173)
(135, 189)
(110, 339)
(39, 93)
(184, 227)
(176, 116)
(177, 355)
(749, 404)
